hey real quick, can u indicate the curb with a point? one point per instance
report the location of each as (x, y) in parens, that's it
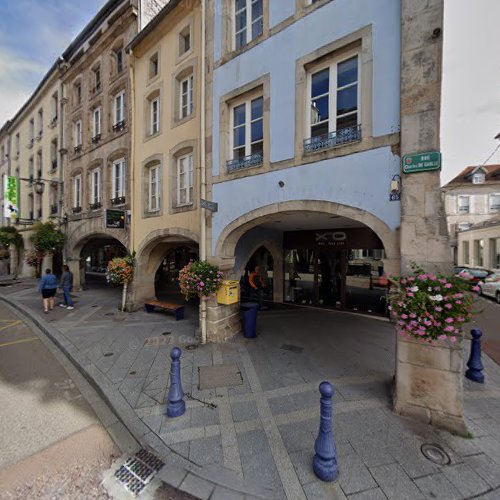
(208, 482)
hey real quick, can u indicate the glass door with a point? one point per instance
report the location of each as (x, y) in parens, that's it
(330, 279)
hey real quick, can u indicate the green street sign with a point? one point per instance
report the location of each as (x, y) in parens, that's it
(421, 162)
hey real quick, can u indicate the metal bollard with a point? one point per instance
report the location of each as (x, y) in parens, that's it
(475, 371)
(325, 459)
(175, 404)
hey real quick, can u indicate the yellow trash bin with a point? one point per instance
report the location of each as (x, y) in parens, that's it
(228, 292)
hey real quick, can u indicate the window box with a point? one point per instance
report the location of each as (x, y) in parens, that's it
(118, 201)
(249, 161)
(95, 206)
(333, 139)
(96, 138)
(119, 126)
(77, 210)
(78, 149)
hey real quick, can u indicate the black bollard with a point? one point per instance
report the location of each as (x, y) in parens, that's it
(475, 371)
(325, 459)
(175, 404)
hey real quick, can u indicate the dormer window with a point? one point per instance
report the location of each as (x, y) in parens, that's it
(478, 178)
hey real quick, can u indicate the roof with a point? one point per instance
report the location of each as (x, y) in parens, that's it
(492, 174)
(169, 7)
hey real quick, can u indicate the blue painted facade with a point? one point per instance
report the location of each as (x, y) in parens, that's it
(359, 180)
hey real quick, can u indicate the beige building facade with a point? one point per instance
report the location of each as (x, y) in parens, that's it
(166, 64)
(479, 246)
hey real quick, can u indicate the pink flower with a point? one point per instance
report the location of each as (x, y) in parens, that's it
(410, 294)
(448, 328)
(401, 322)
(476, 288)
(437, 288)
(448, 306)
(422, 277)
(442, 337)
(438, 309)
(461, 319)
(449, 320)
(448, 285)
(413, 315)
(453, 339)
(404, 316)
(458, 302)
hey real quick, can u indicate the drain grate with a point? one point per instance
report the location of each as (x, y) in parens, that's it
(435, 454)
(138, 471)
(292, 348)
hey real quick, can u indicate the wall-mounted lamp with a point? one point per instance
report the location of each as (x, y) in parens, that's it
(395, 194)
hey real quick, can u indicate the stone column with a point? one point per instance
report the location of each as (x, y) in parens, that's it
(429, 380)
(74, 267)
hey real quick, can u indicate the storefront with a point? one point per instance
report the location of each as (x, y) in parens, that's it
(340, 269)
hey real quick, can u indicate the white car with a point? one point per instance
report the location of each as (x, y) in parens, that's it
(491, 287)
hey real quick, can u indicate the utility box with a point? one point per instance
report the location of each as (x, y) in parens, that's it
(229, 292)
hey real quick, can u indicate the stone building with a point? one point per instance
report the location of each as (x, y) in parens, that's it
(471, 198)
(479, 245)
(166, 62)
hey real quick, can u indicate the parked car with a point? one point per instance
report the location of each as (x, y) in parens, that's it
(474, 275)
(490, 287)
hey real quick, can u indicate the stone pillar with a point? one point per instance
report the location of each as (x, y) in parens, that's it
(429, 380)
(223, 321)
(14, 260)
(429, 384)
(140, 290)
(74, 267)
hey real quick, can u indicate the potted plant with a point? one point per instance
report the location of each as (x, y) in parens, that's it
(200, 279)
(120, 271)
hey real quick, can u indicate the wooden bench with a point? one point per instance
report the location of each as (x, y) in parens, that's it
(177, 309)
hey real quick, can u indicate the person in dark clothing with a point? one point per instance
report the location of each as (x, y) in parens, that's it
(48, 288)
(67, 286)
(257, 284)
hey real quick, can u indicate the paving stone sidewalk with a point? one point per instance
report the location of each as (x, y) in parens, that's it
(250, 431)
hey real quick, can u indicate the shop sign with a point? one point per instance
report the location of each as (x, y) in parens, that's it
(331, 238)
(209, 205)
(11, 196)
(421, 162)
(115, 219)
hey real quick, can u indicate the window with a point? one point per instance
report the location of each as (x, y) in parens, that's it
(95, 188)
(118, 182)
(247, 134)
(53, 154)
(479, 252)
(154, 65)
(496, 253)
(478, 178)
(333, 107)
(154, 188)
(185, 40)
(463, 204)
(18, 145)
(463, 226)
(32, 130)
(185, 180)
(77, 192)
(119, 111)
(77, 94)
(248, 21)
(466, 254)
(495, 202)
(154, 116)
(96, 124)
(39, 164)
(119, 59)
(31, 167)
(40, 122)
(77, 135)
(96, 77)
(53, 198)
(54, 105)
(31, 206)
(186, 97)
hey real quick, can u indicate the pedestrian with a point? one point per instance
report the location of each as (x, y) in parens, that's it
(257, 283)
(67, 287)
(48, 288)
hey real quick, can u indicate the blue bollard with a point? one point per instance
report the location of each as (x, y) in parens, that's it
(475, 371)
(325, 459)
(175, 404)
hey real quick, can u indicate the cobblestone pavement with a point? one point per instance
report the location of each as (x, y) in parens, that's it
(254, 437)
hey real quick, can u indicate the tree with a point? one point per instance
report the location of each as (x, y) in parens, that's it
(9, 235)
(47, 238)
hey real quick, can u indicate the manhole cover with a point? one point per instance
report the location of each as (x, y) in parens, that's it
(108, 354)
(219, 376)
(435, 454)
(293, 348)
(191, 347)
(138, 471)
(156, 341)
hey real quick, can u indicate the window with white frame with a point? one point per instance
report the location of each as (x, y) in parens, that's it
(32, 130)
(186, 97)
(119, 109)
(478, 178)
(118, 181)
(95, 187)
(185, 40)
(463, 204)
(96, 124)
(154, 122)
(466, 252)
(464, 226)
(54, 105)
(248, 21)
(77, 134)
(154, 188)
(118, 55)
(154, 65)
(40, 122)
(494, 202)
(96, 79)
(185, 180)
(77, 191)
(18, 144)
(247, 123)
(334, 98)
(479, 252)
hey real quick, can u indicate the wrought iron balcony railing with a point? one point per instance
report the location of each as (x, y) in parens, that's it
(246, 162)
(96, 138)
(77, 210)
(120, 200)
(119, 126)
(96, 205)
(337, 138)
(78, 149)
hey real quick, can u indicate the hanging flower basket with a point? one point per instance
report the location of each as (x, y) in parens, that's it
(431, 307)
(120, 271)
(200, 279)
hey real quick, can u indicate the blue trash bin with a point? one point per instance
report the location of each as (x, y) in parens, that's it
(249, 319)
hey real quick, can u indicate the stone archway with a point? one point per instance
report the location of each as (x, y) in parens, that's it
(149, 255)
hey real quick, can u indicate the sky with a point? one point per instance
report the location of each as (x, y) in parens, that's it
(33, 33)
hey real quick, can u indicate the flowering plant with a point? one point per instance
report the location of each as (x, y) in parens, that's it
(120, 270)
(33, 258)
(431, 307)
(199, 279)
